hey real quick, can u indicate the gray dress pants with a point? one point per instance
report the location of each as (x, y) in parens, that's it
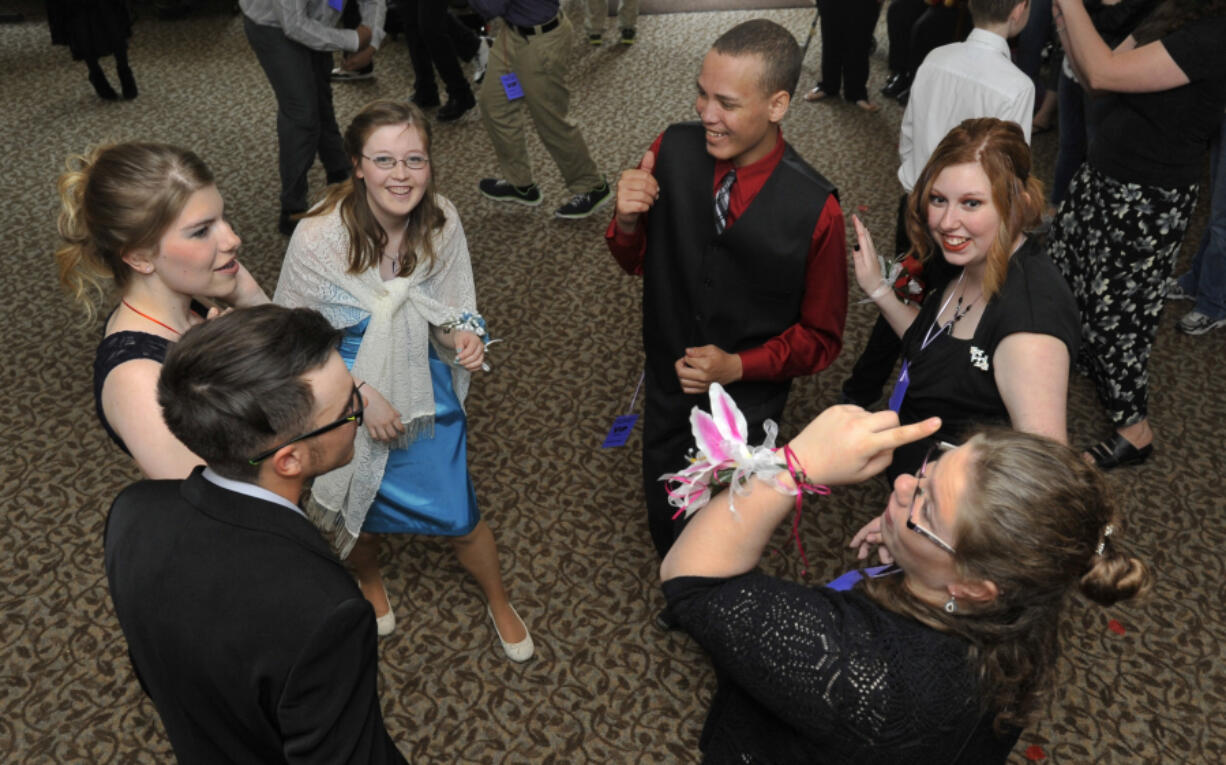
(306, 124)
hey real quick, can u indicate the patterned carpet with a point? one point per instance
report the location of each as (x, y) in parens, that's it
(1141, 683)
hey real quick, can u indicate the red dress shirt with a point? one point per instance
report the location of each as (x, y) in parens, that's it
(809, 345)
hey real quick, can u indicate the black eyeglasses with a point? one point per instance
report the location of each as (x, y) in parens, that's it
(356, 407)
(917, 500)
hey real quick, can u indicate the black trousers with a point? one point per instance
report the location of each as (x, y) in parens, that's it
(306, 123)
(435, 39)
(914, 29)
(847, 34)
(667, 438)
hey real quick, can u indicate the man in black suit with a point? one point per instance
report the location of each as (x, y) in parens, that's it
(254, 643)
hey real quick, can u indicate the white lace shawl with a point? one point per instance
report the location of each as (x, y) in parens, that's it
(394, 355)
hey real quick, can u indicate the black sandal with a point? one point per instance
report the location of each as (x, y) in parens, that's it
(1118, 452)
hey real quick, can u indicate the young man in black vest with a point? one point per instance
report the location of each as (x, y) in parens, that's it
(251, 638)
(742, 250)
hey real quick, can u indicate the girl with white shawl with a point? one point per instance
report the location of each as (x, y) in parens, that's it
(384, 258)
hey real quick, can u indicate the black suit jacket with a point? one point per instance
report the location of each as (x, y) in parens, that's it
(254, 643)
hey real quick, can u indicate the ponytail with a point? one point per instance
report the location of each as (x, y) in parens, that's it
(81, 272)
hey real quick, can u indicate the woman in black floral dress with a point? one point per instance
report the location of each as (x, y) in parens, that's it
(1116, 235)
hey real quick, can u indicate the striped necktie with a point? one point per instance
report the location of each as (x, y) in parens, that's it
(722, 195)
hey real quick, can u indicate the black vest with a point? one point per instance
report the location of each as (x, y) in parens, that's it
(735, 290)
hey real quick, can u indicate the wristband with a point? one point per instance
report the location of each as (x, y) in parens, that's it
(723, 458)
(882, 289)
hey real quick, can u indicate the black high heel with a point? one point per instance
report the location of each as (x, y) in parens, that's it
(101, 86)
(127, 82)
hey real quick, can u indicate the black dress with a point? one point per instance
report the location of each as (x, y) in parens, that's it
(811, 675)
(953, 378)
(91, 29)
(114, 350)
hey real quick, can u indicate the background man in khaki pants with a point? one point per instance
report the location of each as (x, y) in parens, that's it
(627, 17)
(526, 72)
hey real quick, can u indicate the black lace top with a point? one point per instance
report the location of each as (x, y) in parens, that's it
(810, 675)
(116, 349)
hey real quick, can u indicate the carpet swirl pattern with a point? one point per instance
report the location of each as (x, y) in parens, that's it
(1142, 683)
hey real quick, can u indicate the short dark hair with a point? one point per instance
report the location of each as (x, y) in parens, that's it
(993, 11)
(232, 386)
(775, 45)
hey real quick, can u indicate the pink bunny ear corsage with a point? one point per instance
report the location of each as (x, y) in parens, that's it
(722, 457)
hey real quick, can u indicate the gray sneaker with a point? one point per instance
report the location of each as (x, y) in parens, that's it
(1176, 292)
(1196, 323)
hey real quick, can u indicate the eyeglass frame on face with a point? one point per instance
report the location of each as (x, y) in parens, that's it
(915, 497)
(421, 161)
(344, 420)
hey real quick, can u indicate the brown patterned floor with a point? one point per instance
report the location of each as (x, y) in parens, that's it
(606, 686)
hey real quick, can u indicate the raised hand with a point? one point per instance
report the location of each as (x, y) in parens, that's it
(637, 191)
(864, 258)
(846, 444)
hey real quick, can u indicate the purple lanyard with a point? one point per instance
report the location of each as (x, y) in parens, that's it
(904, 377)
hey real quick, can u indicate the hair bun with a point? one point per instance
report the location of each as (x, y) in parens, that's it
(1113, 577)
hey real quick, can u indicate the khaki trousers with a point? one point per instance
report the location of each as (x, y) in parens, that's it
(598, 10)
(539, 62)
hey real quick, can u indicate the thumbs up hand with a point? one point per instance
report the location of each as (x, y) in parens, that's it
(637, 191)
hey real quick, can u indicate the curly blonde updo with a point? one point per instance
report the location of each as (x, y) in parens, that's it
(114, 200)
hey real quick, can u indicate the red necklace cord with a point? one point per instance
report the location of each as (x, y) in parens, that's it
(803, 487)
(150, 318)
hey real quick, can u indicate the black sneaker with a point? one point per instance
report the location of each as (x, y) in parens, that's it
(424, 100)
(583, 205)
(456, 107)
(595, 40)
(627, 36)
(897, 83)
(502, 191)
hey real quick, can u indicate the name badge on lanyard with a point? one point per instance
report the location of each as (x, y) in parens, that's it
(900, 386)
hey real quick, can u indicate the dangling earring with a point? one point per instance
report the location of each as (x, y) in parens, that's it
(951, 605)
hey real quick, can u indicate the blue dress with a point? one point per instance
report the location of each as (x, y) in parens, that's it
(425, 488)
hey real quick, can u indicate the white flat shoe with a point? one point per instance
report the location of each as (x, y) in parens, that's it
(386, 624)
(521, 651)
